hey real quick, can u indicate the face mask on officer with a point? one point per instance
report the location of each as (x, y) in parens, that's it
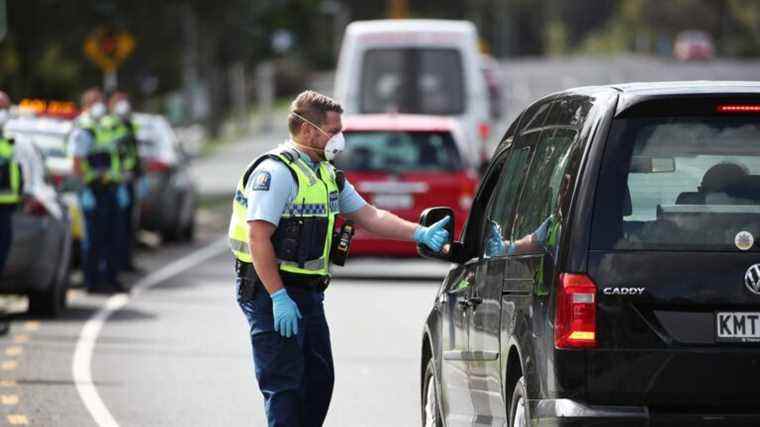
(98, 110)
(122, 108)
(335, 144)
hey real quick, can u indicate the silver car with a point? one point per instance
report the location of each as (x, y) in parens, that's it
(39, 259)
(170, 202)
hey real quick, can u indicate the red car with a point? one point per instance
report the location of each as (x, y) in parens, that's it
(405, 164)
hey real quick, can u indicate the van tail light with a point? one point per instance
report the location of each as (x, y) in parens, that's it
(484, 131)
(32, 206)
(156, 166)
(575, 317)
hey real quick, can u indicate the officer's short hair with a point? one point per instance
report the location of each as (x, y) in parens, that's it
(91, 96)
(313, 106)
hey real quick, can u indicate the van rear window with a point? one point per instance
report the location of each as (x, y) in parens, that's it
(680, 183)
(412, 80)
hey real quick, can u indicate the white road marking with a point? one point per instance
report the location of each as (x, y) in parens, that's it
(80, 366)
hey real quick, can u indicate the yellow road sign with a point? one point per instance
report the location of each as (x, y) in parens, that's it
(108, 48)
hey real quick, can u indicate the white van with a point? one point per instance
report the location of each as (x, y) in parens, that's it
(416, 67)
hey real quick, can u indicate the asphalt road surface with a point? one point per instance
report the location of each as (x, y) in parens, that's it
(178, 353)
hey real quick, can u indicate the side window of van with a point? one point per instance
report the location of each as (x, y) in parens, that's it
(503, 201)
(545, 180)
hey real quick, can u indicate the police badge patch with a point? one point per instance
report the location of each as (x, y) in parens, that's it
(261, 181)
(334, 205)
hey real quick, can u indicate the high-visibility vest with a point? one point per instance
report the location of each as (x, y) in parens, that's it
(304, 234)
(127, 145)
(103, 161)
(10, 174)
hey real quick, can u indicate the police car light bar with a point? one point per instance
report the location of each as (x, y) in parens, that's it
(739, 108)
(61, 109)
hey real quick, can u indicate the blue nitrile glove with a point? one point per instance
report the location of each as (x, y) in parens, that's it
(494, 244)
(286, 314)
(539, 236)
(434, 236)
(142, 187)
(122, 196)
(87, 199)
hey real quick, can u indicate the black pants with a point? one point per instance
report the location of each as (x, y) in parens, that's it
(295, 375)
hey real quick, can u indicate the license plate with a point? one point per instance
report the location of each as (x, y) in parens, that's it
(738, 326)
(393, 201)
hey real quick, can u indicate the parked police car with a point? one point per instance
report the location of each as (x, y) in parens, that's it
(609, 271)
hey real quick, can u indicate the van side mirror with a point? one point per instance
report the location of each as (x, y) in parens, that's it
(430, 216)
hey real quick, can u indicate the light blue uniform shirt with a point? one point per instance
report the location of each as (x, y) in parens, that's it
(80, 141)
(271, 188)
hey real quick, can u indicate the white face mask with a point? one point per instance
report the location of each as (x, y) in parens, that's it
(122, 108)
(98, 110)
(335, 145)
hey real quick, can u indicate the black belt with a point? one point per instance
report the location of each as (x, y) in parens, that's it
(245, 270)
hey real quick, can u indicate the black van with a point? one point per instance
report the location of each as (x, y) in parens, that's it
(608, 273)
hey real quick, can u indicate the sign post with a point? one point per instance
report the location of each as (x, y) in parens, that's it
(108, 48)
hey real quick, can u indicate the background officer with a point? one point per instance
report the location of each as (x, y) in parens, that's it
(131, 172)
(11, 182)
(97, 163)
(281, 233)
(11, 190)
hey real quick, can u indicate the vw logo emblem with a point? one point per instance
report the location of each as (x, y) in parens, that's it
(752, 279)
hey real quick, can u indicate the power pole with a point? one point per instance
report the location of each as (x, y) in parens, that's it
(398, 9)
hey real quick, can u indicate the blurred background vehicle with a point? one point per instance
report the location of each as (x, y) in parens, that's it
(693, 45)
(416, 67)
(494, 84)
(48, 132)
(405, 164)
(170, 202)
(40, 256)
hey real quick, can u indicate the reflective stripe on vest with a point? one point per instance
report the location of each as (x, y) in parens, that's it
(10, 174)
(311, 201)
(105, 152)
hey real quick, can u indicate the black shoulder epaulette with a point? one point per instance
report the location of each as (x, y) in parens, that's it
(290, 153)
(340, 179)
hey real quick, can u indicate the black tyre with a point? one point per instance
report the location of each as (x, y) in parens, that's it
(519, 413)
(52, 301)
(431, 413)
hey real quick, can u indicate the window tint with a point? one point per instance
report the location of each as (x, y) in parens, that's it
(504, 197)
(396, 152)
(534, 117)
(688, 183)
(547, 170)
(569, 111)
(421, 81)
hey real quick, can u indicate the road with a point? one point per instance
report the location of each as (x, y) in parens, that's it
(179, 354)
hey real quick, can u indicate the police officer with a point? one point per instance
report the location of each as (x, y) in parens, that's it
(11, 183)
(125, 133)
(281, 233)
(97, 163)
(11, 192)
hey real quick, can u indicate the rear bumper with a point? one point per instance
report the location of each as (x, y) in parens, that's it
(566, 412)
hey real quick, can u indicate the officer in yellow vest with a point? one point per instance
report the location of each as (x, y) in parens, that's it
(97, 163)
(11, 185)
(281, 233)
(121, 113)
